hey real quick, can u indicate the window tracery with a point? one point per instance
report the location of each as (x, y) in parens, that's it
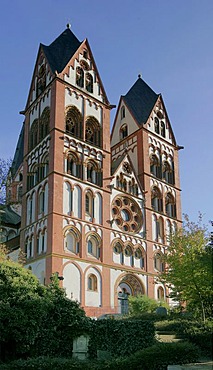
(93, 134)
(44, 123)
(127, 214)
(73, 122)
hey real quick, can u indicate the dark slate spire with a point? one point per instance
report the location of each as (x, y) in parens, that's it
(140, 100)
(19, 153)
(60, 51)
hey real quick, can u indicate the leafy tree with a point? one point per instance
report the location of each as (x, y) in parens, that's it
(142, 304)
(189, 268)
(4, 168)
(35, 319)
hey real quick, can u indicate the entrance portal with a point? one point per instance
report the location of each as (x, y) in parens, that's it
(129, 285)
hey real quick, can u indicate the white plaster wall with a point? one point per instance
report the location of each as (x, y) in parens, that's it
(128, 119)
(71, 98)
(92, 111)
(45, 102)
(38, 269)
(72, 281)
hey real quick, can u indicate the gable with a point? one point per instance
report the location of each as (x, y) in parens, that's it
(159, 123)
(124, 176)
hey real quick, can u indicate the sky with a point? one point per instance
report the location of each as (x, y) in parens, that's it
(168, 42)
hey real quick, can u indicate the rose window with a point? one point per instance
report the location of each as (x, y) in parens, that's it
(127, 214)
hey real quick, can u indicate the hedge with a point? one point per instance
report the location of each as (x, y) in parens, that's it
(121, 337)
(156, 357)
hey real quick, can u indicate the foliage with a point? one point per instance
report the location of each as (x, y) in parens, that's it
(159, 356)
(46, 363)
(62, 322)
(189, 268)
(121, 337)
(4, 168)
(35, 319)
(143, 304)
(193, 331)
(156, 357)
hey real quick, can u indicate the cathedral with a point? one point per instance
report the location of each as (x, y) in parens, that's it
(95, 207)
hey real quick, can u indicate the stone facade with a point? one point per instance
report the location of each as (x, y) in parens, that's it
(98, 209)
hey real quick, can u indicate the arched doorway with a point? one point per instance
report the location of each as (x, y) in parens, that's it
(128, 285)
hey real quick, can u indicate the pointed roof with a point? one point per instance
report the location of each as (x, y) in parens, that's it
(9, 216)
(60, 51)
(19, 153)
(140, 100)
(116, 163)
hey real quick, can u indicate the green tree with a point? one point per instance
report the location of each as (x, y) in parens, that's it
(142, 304)
(35, 319)
(189, 268)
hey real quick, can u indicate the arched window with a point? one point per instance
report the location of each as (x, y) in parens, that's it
(41, 202)
(166, 171)
(94, 174)
(158, 262)
(123, 113)
(93, 133)
(89, 204)
(41, 80)
(156, 201)
(92, 283)
(44, 123)
(74, 121)
(140, 256)
(155, 168)
(160, 230)
(89, 83)
(29, 247)
(79, 77)
(72, 240)
(128, 253)
(123, 132)
(93, 245)
(160, 293)
(157, 126)
(162, 129)
(118, 249)
(33, 138)
(170, 205)
(74, 167)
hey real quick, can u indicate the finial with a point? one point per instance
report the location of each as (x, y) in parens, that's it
(139, 76)
(68, 25)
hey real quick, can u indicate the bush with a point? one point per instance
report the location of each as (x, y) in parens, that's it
(47, 363)
(192, 331)
(121, 337)
(158, 357)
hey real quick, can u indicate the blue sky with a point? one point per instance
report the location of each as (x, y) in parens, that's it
(169, 42)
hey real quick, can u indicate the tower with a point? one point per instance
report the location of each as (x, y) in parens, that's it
(142, 128)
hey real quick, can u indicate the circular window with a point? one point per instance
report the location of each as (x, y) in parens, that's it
(127, 214)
